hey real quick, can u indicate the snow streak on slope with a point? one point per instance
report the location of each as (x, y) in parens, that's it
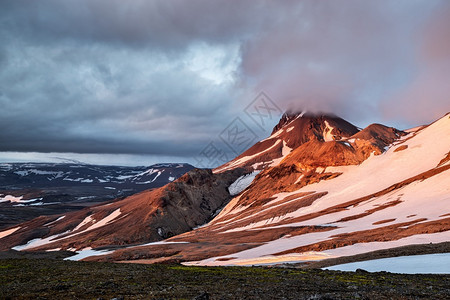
(8, 232)
(63, 236)
(244, 159)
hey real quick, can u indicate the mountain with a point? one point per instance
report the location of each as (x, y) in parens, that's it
(28, 190)
(151, 215)
(44, 175)
(308, 132)
(317, 188)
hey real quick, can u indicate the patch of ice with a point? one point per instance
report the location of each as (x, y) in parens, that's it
(438, 263)
(242, 183)
(346, 143)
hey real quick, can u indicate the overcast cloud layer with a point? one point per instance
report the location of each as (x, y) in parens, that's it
(165, 77)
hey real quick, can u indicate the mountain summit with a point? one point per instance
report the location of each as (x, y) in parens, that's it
(312, 137)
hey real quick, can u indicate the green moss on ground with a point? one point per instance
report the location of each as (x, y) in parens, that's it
(56, 279)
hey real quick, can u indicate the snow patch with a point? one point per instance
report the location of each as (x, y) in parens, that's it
(86, 220)
(14, 199)
(38, 242)
(105, 220)
(53, 222)
(284, 152)
(8, 232)
(327, 136)
(299, 179)
(268, 260)
(320, 170)
(10, 198)
(87, 252)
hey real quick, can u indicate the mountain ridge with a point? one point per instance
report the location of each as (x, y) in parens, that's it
(341, 192)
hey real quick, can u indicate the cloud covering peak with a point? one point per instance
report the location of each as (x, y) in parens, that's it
(165, 77)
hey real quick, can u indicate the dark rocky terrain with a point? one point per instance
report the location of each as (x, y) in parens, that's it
(50, 188)
(46, 278)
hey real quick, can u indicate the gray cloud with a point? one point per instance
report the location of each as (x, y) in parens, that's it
(427, 95)
(338, 58)
(165, 77)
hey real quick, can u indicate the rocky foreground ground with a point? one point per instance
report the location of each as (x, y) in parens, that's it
(45, 278)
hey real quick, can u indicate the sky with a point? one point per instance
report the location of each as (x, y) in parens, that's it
(137, 82)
